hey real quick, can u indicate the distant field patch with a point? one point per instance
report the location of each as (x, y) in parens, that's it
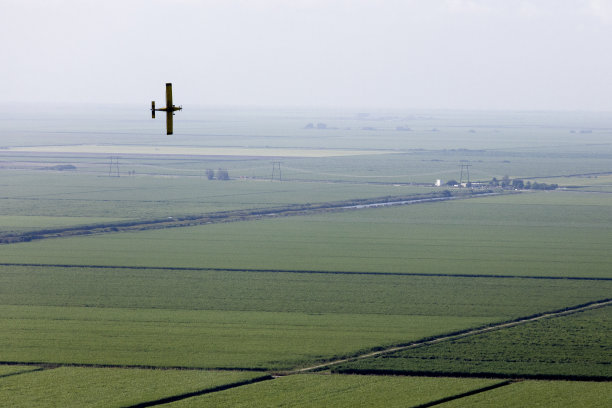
(90, 195)
(308, 390)
(194, 151)
(106, 387)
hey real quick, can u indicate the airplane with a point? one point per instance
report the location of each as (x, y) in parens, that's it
(169, 109)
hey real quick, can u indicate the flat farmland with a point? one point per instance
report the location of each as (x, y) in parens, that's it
(59, 194)
(106, 387)
(123, 149)
(535, 234)
(118, 319)
(9, 370)
(24, 223)
(338, 391)
(540, 394)
(204, 339)
(309, 293)
(263, 320)
(578, 345)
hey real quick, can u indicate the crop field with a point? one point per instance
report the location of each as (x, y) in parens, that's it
(338, 391)
(104, 387)
(279, 306)
(204, 339)
(526, 235)
(65, 196)
(188, 151)
(540, 394)
(6, 371)
(278, 320)
(578, 345)
(308, 293)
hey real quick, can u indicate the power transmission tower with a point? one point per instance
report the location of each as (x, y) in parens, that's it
(113, 171)
(276, 169)
(467, 169)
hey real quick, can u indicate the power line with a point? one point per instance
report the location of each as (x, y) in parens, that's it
(467, 168)
(276, 169)
(114, 171)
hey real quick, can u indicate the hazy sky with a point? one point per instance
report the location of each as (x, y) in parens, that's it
(466, 54)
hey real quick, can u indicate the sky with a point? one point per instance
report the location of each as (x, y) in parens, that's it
(402, 54)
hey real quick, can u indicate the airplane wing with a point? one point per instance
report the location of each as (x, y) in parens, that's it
(169, 96)
(169, 122)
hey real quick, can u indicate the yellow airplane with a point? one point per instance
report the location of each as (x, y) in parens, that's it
(169, 109)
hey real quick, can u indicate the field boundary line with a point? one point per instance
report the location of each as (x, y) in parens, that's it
(481, 375)
(303, 271)
(51, 365)
(180, 397)
(459, 335)
(25, 372)
(465, 394)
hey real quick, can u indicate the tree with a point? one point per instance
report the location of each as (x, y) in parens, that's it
(518, 184)
(452, 183)
(210, 174)
(222, 174)
(505, 181)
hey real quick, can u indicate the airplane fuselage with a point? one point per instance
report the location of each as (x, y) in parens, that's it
(169, 109)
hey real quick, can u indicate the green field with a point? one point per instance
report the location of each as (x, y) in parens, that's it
(540, 394)
(278, 320)
(190, 309)
(30, 194)
(578, 345)
(17, 224)
(531, 234)
(106, 387)
(377, 294)
(9, 370)
(338, 391)
(206, 339)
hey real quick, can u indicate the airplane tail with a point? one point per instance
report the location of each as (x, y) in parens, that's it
(153, 109)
